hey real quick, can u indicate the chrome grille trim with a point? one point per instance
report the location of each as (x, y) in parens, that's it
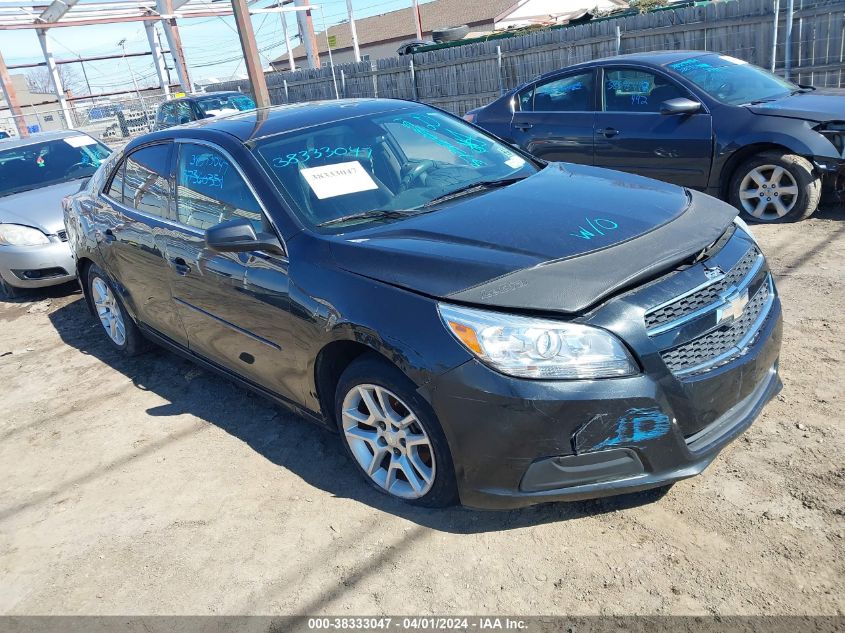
(747, 340)
(671, 325)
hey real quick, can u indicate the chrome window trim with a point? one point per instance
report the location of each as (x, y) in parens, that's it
(234, 163)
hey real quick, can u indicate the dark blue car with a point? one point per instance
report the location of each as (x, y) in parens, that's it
(697, 119)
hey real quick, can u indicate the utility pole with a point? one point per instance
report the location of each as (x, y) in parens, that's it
(12, 99)
(355, 48)
(85, 74)
(250, 49)
(122, 44)
(417, 19)
(306, 33)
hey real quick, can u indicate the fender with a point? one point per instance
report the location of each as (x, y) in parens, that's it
(795, 135)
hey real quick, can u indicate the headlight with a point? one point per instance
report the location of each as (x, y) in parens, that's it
(18, 235)
(538, 348)
(742, 224)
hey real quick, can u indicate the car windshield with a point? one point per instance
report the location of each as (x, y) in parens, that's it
(49, 163)
(732, 80)
(373, 168)
(215, 103)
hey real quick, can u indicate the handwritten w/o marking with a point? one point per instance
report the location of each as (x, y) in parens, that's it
(599, 225)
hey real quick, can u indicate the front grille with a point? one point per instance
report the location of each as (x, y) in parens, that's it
(62, 235)
(723, 344)
(686, 305)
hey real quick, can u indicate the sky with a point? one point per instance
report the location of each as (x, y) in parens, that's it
(212, 48)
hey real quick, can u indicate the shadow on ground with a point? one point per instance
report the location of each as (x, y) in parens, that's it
(305, 449)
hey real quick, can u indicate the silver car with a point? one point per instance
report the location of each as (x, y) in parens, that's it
(35, 174)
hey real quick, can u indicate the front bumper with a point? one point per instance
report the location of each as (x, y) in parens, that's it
(832, 172)
(517, 442)
(37, 266)
(520, 442)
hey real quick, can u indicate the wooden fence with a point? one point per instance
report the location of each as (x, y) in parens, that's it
(460, 78)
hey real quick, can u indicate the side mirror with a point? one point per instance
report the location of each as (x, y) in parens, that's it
(238, 236)
(679, 106)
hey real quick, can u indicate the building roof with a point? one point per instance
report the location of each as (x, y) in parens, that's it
(399, 25)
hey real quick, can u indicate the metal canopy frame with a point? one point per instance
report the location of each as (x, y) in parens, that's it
(38, 14)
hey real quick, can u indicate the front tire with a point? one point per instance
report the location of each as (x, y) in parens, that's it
(8, 291)
(119, 327)
(392, 435)
(773, 187)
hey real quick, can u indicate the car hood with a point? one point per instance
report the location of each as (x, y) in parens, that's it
(41, 208)
(559, 240)
(823, 104)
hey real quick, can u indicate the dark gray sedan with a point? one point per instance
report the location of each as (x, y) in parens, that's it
(701, 120)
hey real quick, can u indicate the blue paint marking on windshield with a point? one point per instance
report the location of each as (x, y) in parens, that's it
(475, 144)
(425, 128)
(597, 228)
(303, 156)
(638, 425)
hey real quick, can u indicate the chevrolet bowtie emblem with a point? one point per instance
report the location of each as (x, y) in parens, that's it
(732, 308)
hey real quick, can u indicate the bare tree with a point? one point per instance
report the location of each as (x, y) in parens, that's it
(38, 80)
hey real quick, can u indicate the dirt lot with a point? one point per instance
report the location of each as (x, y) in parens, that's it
(148, 486)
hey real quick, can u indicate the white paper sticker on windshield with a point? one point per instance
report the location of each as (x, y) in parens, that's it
(732, 60)
(339, 179)
(80, 141)
(515, 162)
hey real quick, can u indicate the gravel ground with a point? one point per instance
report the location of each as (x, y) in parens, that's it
(148, 486)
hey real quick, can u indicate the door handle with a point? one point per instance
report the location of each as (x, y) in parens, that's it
(181, 266)
(609, 132)
(523, 126)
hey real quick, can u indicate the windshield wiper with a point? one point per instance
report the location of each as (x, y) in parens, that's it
(797, 91)
(372, 214)
(474, 186)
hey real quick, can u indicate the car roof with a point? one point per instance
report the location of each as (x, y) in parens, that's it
(651, 58)
(252, 125)
(39, 137)
(200, 95)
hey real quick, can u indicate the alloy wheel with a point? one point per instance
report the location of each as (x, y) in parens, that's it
(108, 311)
(388, 441)
(768, 192)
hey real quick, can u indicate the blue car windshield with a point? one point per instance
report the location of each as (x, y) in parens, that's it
(396, 164)
(215, 104)
(732, 80)
(49, 162)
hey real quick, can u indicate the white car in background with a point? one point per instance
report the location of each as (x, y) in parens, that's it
(35, 174)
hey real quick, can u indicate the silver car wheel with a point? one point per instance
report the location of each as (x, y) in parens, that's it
(768, 192)
(388, 441)
(109, 312)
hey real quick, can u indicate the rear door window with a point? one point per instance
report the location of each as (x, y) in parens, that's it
(572, 93)
(145, 180)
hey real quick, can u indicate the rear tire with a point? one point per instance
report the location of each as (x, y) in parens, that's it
(773, 187)
(392, 434)
(119, 327)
